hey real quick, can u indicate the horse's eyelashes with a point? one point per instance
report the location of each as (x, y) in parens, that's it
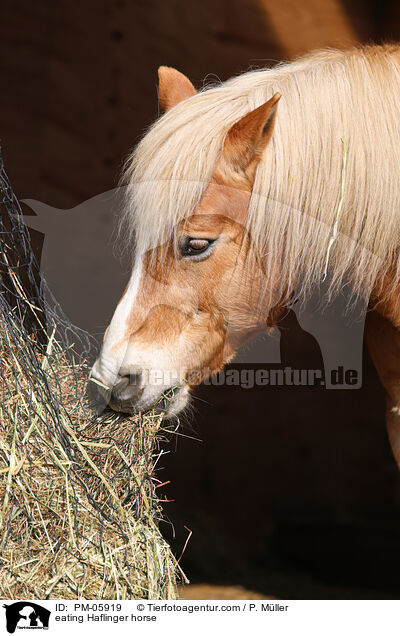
(192, 246)
(197, 245)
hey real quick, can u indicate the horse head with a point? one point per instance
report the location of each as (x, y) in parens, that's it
(193, 300)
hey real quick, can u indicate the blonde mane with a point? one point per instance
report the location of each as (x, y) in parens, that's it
(328, 98)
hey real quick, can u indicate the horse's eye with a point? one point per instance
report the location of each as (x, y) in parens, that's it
(195, 246)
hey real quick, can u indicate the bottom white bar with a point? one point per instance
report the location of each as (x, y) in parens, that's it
(194, 617)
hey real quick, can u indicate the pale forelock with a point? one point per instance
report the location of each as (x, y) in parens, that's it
(333, 104)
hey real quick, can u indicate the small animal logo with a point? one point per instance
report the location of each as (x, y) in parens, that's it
(26, 615)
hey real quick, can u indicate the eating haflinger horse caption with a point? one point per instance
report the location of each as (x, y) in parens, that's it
(148, 617)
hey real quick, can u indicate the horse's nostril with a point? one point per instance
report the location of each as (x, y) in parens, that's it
(121, 383)
(127, 386)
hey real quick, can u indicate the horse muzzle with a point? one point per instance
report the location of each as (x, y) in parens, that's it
(121, 396)
(130, 394)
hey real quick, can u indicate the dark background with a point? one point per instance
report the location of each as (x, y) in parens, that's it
(291, 492)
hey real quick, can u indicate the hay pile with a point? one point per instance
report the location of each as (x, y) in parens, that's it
(78, 510)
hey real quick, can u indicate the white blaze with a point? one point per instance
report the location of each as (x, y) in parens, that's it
(109, 362)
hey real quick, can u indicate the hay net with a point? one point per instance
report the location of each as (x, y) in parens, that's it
(79, 515)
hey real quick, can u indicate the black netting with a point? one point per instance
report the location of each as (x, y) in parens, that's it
(79, 515)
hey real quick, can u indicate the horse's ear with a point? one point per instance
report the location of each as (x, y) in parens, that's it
(173, 87)
(246, 140)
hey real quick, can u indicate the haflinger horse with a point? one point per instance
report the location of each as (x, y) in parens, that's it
(239, 195)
